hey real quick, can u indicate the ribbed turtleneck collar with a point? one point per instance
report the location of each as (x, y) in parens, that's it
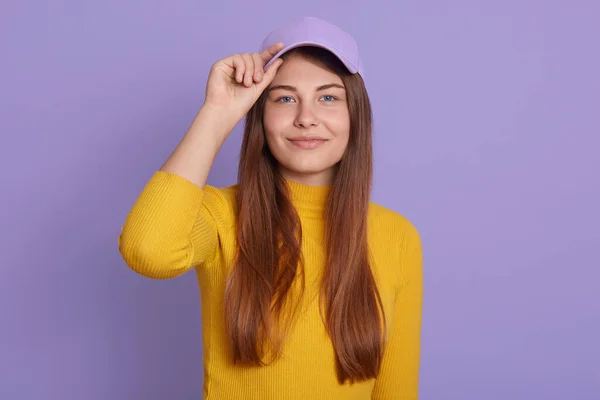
(309, 200)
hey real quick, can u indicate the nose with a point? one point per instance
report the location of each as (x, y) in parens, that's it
(306, 116)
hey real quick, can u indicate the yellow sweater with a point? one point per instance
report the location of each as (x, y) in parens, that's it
(174, 226)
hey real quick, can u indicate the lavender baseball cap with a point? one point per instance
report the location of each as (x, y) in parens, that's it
(311, 31)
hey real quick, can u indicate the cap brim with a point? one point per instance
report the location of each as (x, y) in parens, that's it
(351, 67)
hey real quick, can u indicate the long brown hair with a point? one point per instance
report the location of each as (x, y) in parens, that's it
(269, 260)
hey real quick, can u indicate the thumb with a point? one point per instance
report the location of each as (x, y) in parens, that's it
(270, 74)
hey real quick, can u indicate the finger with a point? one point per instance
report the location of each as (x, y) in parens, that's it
(239, 67)
(249, 69)
(258, 67)
(271, 51)
(270, 74)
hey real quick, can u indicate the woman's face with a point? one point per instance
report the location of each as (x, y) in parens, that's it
(306, 120)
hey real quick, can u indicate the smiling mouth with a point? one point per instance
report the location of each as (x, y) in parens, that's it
(307, 144)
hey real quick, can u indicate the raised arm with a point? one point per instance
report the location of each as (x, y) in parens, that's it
(171, 227)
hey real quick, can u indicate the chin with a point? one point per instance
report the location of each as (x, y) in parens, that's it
(307, 167)
(302, 162)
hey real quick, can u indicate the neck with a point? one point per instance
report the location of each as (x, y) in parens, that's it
(309, 200)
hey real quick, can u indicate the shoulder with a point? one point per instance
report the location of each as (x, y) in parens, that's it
(395, 244)
(384, 218)
(226, 195)
(220, 203)
(393, 228)
(394, 232)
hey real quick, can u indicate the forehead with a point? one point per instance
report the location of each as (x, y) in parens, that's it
(297, 70)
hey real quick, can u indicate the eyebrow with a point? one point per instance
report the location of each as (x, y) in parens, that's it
(294, 89)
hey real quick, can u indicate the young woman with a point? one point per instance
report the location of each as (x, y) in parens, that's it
(309, 290)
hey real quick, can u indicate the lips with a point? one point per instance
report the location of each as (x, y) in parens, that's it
(308, 143)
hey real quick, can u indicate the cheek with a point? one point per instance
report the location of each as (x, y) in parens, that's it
(274, 138)
(339, 124)
(276, 117)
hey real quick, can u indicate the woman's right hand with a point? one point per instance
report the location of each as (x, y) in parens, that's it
(236, 82)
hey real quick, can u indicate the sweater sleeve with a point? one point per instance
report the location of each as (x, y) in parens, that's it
(399, 375)
(170, 228)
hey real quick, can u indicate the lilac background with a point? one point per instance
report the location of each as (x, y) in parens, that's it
(487, 121)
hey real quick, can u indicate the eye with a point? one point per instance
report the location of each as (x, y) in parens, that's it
(329, 97)
(284, 98)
